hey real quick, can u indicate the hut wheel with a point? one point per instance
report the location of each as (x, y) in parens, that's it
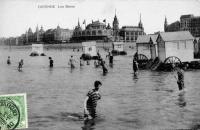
(142, 57)
(172, 60)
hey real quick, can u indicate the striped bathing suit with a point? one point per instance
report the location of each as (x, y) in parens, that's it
(94, 96)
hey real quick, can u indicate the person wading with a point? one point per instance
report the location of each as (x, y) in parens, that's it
(50, 62)
(110, 57)
(72, 62)
(102, 63)
(8, 60)
(135, 67)
(81, 61)
(90, 102)
(21, 63)
(180, 79)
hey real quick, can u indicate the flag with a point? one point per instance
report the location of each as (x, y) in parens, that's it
(84, 22)
(104, 20)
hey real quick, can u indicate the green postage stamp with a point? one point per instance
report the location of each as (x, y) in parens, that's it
(13, 112)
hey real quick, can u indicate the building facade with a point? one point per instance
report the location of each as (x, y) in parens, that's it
(62, 35)
(191, 23)
(94, 31)
(131, 33)
(175, 26)
(57, 35)
(187, 23)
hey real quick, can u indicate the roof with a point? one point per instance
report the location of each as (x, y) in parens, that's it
(146, 38)
(95, 23)
(186, 16)
(176, 36)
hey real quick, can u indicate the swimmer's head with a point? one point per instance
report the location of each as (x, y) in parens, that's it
(97, 84)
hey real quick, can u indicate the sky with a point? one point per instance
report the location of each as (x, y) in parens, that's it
(16, 16)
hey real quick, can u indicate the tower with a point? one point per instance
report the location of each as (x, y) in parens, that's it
(140, 25)
(37, 34)
(165, 24)
(115, 27)
(41, 29)
(26, 36)
(78, 23)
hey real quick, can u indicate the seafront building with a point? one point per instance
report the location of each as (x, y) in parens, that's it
(99, 31)
(58, 35)
(131, 33)
(95, 31)
(187, 23)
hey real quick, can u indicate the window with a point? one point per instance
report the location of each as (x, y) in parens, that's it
(93, 32)
(99, 32)
(127, 38)
(132, 39)
(88, 32)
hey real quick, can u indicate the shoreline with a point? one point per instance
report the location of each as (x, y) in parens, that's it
(108, 45)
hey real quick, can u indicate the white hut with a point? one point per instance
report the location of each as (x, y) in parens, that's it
(89, 48)
(37, 49)
(177, 44)
(147, 45)
(118, 46)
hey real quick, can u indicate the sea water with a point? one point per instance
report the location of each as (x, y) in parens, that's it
(55, 96)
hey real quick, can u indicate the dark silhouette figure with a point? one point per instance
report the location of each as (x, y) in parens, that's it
(8, 60)
(50, 62)
(21, 63)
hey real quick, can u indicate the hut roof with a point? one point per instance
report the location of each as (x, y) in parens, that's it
(146, 38)
(176, 36)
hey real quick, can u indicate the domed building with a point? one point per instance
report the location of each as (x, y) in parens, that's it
(96, 30)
